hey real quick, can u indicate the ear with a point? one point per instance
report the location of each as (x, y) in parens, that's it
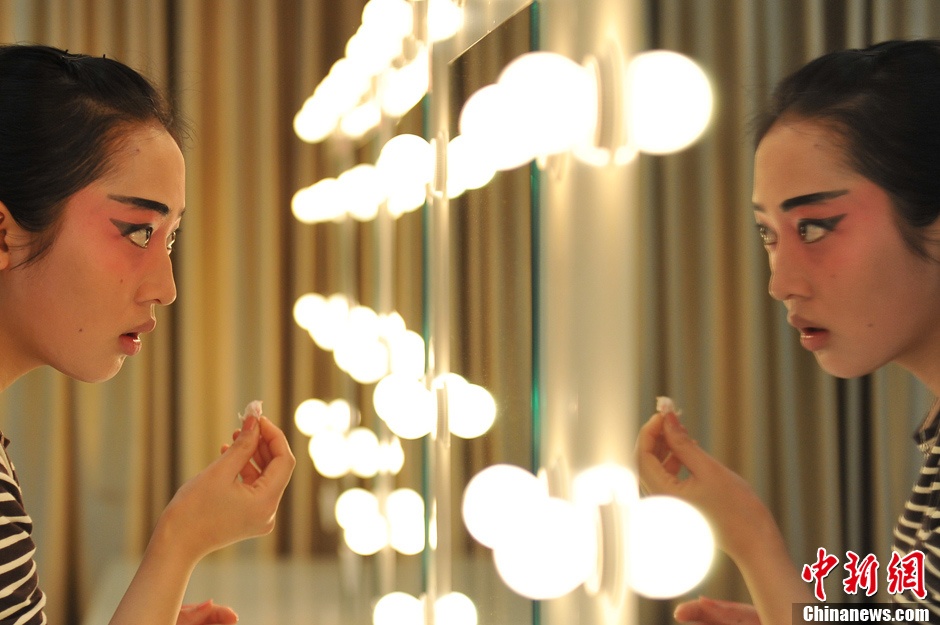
(7, 228)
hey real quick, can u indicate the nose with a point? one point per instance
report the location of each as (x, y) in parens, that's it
(158, 285)
(787, 274)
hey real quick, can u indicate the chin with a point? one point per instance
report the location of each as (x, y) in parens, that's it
(93, 374)
(842, 368)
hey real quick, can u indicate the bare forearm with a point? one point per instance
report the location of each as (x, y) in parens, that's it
(772, 579)
(156, 593)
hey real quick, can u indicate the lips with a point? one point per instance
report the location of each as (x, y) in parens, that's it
(812, 336)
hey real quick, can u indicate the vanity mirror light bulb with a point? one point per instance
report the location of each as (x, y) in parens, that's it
(398, 608)
(391, 456)
(356, 122)
(307, 309)
(364, 194)
(339, 414)
(312, 417)
(407, 351)
(367, 535)
(471, 410)
(444, 19)
(394, 16)
(487, 121)
(550, 551)
(495, 497)
(554, 105)
(405, 405)
(455, 608)
(404, 509)
(353, 504)
(363, 449)
(314, 121)
(330, 326)
(373, 48)
(329, 453)
(401, 89)
(661, 569)
(669, 101)
(467, 166)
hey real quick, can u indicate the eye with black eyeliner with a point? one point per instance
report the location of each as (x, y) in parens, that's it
(172, 239)
(767, 236)
(138, 234)
(813, 230)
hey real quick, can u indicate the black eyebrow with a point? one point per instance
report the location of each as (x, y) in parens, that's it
(144, 203)
(810, 198)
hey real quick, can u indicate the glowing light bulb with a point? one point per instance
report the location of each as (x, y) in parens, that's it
(486, 123)
(444, 19)
(315, 120)
(312, 417)
(329, 453)
(395, 16)
(551, 552)
(554, 102)
(662, 569)
(322, 201)
(367, 535)
(339, 415)
(401, 89)
(669, 101)
(606, 483)
(354, 504)
(307, 309)
(356, 122)
(398, 608)
(363, 449)
(364, 193)
(406, 165)
(455, 608)
(407, 354)
(404, 510)
(405, 405)
(391, 324)
(496, 496)
(467, 168)
(471, 409)
(331, 324)
(391, 456)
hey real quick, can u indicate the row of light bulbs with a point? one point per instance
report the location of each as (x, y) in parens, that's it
(384, 72)
(545, 546)
(401, 608)
(369, 527)
(542, 104)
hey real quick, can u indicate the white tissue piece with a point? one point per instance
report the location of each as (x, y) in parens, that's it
(253, 409)
(665, 405)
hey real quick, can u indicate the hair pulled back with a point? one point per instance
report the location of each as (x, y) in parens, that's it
(884, 101)
(61, 116)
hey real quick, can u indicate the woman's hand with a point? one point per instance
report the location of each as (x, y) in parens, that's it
(206, 613)
(743, 526)
(736, 513)
(705, 611)
(235, 497)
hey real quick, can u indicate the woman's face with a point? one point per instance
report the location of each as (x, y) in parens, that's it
(83, 306)
(858, 295)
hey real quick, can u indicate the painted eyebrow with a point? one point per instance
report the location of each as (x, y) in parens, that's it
(809, 198)
(144, 203)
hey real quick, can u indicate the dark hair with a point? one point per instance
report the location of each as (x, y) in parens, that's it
(885, 103)
(61, 117)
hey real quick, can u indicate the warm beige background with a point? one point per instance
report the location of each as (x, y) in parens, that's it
(99, 462)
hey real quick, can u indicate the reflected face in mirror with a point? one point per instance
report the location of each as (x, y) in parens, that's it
(857, 293)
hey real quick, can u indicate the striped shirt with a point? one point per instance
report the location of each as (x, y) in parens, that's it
(21, 600)
(919, 524)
